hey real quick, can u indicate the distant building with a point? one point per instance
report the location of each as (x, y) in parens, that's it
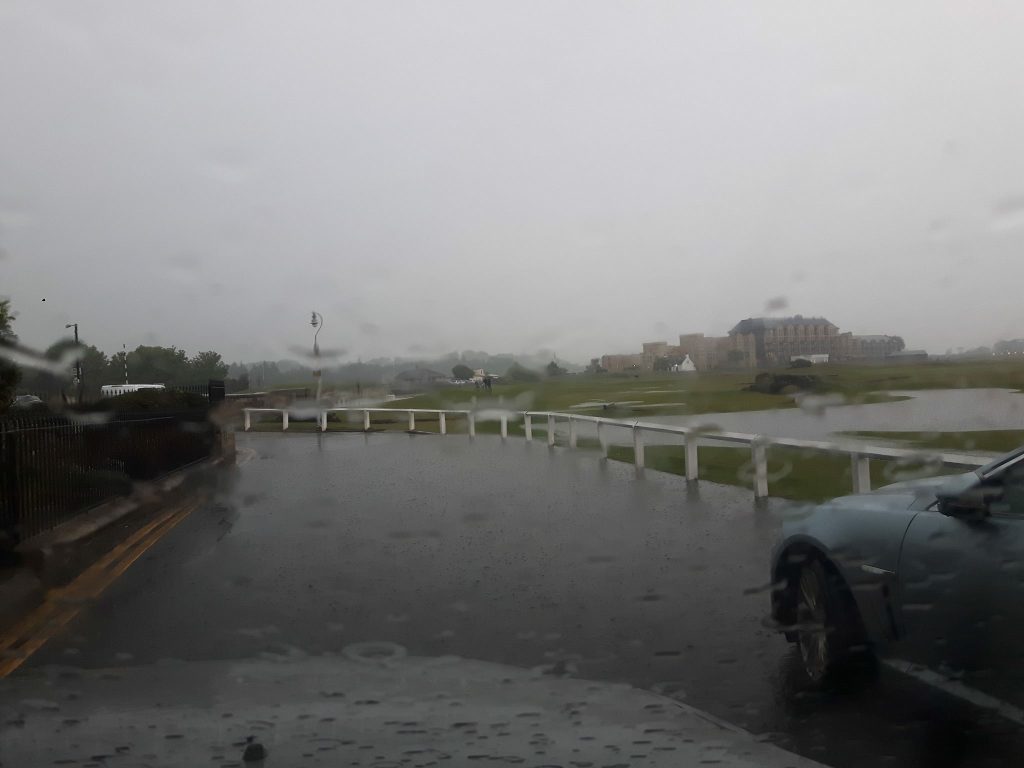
(872, 347)
(622, 363)
(816, 359)
(711, 352)
(1009, 347)
(686, 366)
(777, 340)
(759, 342)
(652, 350)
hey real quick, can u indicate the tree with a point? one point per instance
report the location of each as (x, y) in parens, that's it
(95, 371)
(207, 365)
(159, 365)
(238, 383)
(10, 375)
(461, 371)
(595, 366)
(554, 369)
(516, 373)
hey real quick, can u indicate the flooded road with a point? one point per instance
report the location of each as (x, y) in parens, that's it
(507, 552)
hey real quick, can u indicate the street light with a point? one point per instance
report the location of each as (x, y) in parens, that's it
(78, 361)
(317, 321)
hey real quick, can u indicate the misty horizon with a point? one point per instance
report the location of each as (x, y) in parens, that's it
(582, 177)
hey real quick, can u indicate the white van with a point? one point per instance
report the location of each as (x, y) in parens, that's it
(113, 390)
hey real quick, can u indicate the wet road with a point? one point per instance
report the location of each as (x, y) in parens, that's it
(511, 553)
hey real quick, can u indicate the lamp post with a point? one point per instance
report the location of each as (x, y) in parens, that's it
(78, 362)
(317, 321)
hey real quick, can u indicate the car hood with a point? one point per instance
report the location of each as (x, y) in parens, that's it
(372, 705)
(928, 488)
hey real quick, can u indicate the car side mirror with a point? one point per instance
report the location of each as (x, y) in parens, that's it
(973, 504)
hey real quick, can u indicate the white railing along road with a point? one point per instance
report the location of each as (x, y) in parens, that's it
(860, 455)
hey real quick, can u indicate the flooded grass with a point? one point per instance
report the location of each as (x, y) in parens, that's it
(792, 474)
(991, 440)
(625, 396)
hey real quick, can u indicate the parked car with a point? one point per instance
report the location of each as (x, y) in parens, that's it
(26, 401)
(929, 572)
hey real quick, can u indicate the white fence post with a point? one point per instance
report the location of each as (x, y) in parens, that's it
(600, 434)
(759, 457)
(366, 421)
(504, 426)
(551, 429)
(284, 420)
(638, 447)
(692, 468)
(528, 426)
(472, 424)
(248, 420)
(441, 423)
(572, 432)
(412, 421)
(860, 468)
(323, 421)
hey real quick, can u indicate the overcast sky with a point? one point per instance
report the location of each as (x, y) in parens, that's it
(582, 176)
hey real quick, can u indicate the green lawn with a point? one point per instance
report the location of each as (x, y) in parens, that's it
(792, 474)
(622, 397)
(992, 440)
(636, 396)
(1004, 374)
(724, 392)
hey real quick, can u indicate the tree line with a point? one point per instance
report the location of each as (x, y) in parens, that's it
(145, 364)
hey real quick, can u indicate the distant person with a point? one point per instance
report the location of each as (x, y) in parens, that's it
(487, 382)
(476, 383)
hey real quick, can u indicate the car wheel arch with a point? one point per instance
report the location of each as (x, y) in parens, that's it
(784, 583)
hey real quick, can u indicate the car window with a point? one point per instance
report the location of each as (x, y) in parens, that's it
(1010, 485)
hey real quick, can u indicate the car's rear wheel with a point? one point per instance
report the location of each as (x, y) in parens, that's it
(829, 631)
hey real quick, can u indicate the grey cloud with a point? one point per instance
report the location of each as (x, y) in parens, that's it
(487, 176)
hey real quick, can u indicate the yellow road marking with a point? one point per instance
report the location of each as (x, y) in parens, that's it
(62, 605)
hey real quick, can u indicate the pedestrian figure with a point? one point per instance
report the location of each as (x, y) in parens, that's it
(487, 383)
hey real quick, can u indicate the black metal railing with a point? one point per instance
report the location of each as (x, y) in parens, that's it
(54, 467)
(213, 390)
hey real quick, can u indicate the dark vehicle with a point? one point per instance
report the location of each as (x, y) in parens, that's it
(26, 401)
(928, 572)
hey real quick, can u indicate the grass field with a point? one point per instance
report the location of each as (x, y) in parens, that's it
(792, 473)
(616, 397)
(630, 396)
(992, 440)
(720, 392)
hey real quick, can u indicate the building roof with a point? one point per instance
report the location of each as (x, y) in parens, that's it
(754, 324)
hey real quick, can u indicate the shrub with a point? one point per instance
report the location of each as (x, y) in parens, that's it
(152, 400)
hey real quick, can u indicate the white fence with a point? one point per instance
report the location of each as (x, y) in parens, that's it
(859, 455)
